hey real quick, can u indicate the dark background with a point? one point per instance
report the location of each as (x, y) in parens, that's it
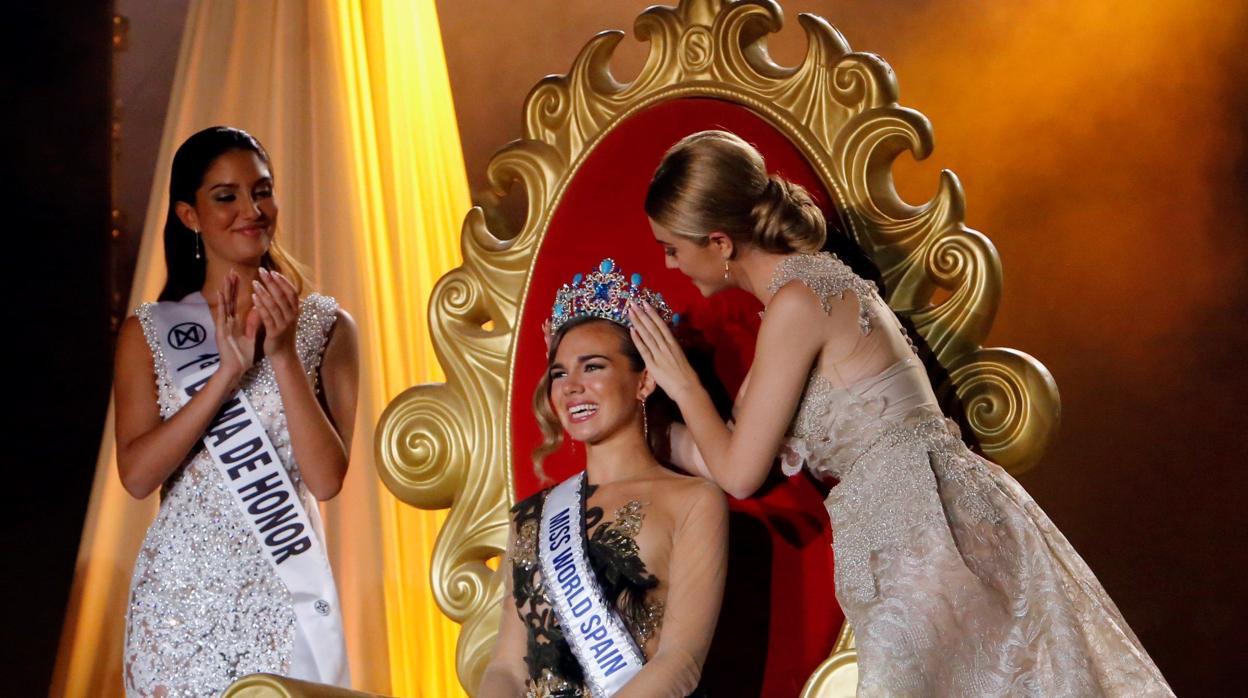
(56, 94)
(1101, 146)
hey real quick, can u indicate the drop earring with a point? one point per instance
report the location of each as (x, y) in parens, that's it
(645, 425)
(726, 270)
(198, 245)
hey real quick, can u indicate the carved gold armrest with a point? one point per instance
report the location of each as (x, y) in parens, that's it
(270, 686)
(837, 677)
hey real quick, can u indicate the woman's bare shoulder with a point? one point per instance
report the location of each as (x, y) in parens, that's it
(345, 320)
(342, 345)
(132, 348)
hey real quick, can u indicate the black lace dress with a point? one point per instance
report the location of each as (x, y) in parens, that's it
(553, 670)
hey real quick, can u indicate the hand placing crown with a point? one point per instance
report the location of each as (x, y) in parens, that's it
(605, 294)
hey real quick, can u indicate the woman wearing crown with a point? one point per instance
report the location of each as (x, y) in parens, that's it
(955, 581)
(614, 576)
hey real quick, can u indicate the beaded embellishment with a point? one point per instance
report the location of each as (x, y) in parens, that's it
(829, 278)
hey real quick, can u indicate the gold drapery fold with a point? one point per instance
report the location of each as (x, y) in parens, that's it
(354, 104)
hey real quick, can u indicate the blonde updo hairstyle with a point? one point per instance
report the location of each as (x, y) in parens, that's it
(713, 181)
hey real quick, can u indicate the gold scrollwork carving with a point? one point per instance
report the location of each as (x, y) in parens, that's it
(272, 686)
(445, 445)
(837, 676)
(421, 441)
(1011, 403)
(696, 49)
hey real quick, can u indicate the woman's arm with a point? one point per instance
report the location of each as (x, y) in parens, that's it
(696, 589)
(148, 449)
(319, 436)
(739, 460)
(504, 675)
(685, 454)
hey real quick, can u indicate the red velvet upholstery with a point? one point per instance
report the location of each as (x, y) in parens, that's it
(780, 616)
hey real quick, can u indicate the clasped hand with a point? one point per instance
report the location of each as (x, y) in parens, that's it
(270, 323)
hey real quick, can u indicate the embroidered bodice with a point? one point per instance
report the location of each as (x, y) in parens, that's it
(622, 575)
(836, 423)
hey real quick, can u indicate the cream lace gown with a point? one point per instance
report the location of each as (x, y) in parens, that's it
(955, 581)
(205, 606)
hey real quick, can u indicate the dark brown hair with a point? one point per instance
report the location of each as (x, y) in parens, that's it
(184, 271)
(713, 181)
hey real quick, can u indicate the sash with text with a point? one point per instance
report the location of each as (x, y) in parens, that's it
(592, 627)
(252, 469)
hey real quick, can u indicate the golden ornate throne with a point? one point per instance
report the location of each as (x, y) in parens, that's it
(591, 142)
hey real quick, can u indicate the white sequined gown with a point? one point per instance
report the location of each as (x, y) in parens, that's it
(955, 581)
(205, 607)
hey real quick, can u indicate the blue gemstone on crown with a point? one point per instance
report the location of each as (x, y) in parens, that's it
(605, 294)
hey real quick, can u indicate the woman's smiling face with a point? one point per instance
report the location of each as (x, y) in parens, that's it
(235, 209)
(594, 388)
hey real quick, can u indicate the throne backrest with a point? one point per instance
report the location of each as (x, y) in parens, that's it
(780, 619)
(591, 143)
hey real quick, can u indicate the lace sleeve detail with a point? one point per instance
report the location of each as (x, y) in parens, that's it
(317, 314)
(829, 278)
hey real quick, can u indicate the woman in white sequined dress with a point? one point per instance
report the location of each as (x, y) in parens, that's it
(955, 581)
(205, 606)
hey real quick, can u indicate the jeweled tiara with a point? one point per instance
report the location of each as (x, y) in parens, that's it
(605, 294)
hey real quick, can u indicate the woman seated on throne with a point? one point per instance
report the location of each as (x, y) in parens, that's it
(616, 574)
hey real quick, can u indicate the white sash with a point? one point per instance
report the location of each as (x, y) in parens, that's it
(592, 627)
(289, 536)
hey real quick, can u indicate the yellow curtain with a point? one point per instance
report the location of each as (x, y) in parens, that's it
(353, 102)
